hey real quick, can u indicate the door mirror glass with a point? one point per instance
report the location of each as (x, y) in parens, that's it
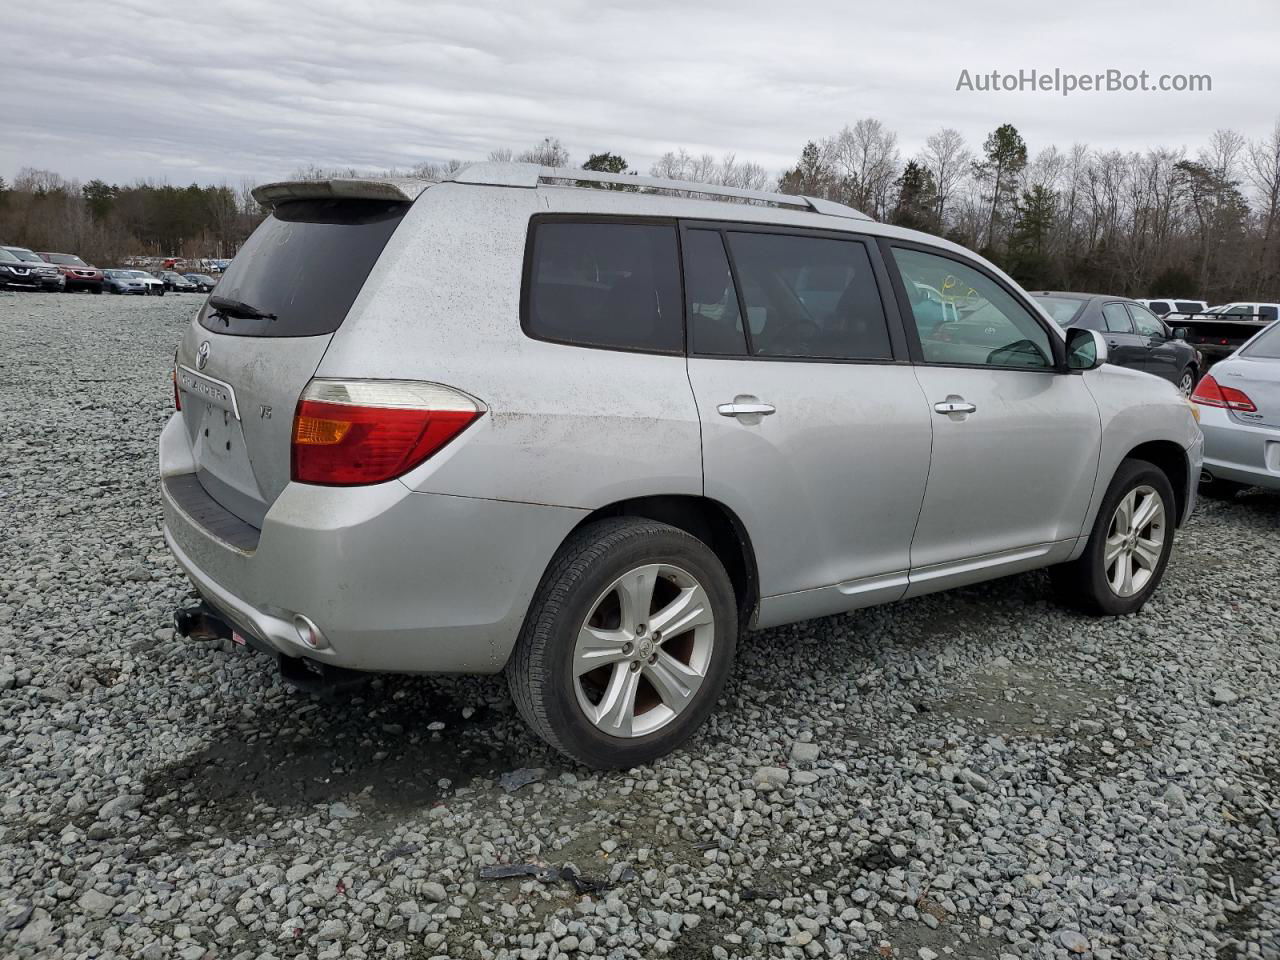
(1180, 333)
(1086, 349)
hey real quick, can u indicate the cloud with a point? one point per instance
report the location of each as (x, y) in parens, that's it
(255, 90)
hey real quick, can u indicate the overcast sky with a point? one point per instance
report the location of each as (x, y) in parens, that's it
(258, 88)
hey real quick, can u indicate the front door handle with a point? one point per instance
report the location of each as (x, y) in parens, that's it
(955, 405)
(744, 408)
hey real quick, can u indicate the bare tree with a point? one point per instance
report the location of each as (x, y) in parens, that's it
(948, 160)
(865, 157)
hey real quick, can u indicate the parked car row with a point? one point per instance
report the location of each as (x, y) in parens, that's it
(21, 268)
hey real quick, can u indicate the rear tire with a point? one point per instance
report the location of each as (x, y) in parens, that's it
(1095, 582)
(1187, 381)
(650, 692)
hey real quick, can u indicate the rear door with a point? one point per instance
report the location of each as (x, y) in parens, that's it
(240, 378)
(814, 431)
(1124, 347)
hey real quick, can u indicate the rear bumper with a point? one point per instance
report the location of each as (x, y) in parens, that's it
(1240, 452)
(397, 581)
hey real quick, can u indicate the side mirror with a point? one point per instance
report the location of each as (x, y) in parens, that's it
(1180, 333)
(1086, 349)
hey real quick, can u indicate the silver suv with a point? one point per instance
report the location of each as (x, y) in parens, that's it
(585, 428)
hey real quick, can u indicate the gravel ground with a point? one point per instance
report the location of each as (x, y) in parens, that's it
(976, 774)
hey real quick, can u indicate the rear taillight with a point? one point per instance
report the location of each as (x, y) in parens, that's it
(1210, 393)
(352, 432)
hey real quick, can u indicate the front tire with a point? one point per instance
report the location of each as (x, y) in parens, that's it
(1128, 548)
(627, 644)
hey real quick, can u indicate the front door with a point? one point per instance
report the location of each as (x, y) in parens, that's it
(1015, 437)
(814, 429)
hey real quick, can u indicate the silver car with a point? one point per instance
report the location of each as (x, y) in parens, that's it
(507, 422)
(1239, 401)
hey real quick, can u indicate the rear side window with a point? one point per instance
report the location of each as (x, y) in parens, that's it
(1268, 312)
(1062, 309)
(1265, 345)
(605, 284)
(1159, 306)
(1116, 318)
(809, 297)
(714, 319)
(306, 263)
(1187, 306)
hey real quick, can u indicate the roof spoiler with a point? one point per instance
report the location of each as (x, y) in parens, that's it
(402, 189)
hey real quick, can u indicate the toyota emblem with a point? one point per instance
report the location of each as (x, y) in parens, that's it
(202, 355)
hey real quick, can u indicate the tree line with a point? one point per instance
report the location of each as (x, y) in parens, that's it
(1164, 222)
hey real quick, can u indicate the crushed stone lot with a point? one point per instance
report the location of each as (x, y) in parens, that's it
(974, 774)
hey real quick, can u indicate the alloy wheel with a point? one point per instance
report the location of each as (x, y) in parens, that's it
(1135, 541)
(1187, 383)
(644, 650)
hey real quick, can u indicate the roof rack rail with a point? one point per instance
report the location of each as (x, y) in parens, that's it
(532, 175)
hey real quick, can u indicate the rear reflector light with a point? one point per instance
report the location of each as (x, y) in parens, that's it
(1210, 393)
(173, 375)
(348, 433)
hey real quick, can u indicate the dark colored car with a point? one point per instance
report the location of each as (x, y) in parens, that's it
(50, 276)
(175, 281)
(204, 283)
(1136, 337)
(15, 273)
(79, 275)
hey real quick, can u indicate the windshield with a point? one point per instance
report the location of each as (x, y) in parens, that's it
(1265, 346)
(7, 257)
(21, 254)
(1062, 309)
(66, 259)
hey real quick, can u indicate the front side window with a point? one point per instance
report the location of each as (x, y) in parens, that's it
(1116, 318)
(1146, 321)
(605, 284)
(809, 297)
(976, 322)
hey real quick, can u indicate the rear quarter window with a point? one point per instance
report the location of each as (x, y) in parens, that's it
(607, 284)
(306, 263)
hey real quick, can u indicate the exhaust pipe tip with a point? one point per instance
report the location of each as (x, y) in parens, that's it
(200, 623)
(1206, 476)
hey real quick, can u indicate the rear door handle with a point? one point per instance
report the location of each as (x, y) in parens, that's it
(955, 405)
(745, 409)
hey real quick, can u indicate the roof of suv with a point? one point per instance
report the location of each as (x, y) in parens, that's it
(532, 176)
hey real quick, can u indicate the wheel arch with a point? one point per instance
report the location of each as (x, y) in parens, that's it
(1172, 461)
(711, 522)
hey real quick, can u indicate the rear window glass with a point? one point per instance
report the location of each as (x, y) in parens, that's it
(602, 284)
(1265, 345)
(1062, 309)
(306, 263)
(809, 297)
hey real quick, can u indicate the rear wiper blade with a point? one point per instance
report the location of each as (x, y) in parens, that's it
(226, 307)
